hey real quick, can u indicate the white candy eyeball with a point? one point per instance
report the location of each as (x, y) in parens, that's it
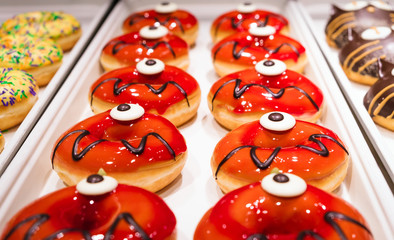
(150, 66)
(277, 121)
(354, 5)
(381, 5)
(283, 185)
(166, 7)
(127, 112)
(246, 7)
(375, 33)
(153, 32)
(262, 31)
(392, 72)
(270, 67)
(96, 185)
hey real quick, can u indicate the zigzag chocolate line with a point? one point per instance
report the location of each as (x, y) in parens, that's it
(302, 235)
(42, 218)
(117, 90)
(138, 18)
(119, 45)
(239, 92)
(264, 165)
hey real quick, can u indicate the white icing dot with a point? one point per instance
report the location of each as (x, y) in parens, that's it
(150, 66)
(354, 5)
(270, 67)
(262, 31)
(381, 5)
(392, 72)
(153, 32)
(166, 7)
(277, 121)
(293, 188)
(375, 33)
(99, 188)
(246, 7)
(127, 112)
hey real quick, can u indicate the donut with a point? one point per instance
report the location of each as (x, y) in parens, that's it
(18, 93)
(244, 96)
(136, 148)
(357, 16)
(158, 88)
(2, 142)
(61, 27)
(245, 16)
(281, 206)
(379, 100)
(149, 42)
(179, 22)
(97, 208)
(277, 140)
(359, 57)
(245, 49)
(39, 57)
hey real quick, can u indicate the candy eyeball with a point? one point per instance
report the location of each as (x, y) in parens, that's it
(277, 121)
(354, 5)
(283, 185)
(96, 184)
(246, 7)
(153, 32)
(166, 7)
(150, 66)
(270, 67)
(127, 112)
(262, 31)
(375, 33)
(381, 5)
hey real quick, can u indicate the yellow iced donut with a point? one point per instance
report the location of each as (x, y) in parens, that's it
(18, 93)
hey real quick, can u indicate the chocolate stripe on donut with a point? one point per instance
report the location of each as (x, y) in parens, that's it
(309, 233)
(138, 18)
(132, 223)
(117, 90)
(239, 92)
(280, 46)
(323, 149)
(38, 218)
(119, 45)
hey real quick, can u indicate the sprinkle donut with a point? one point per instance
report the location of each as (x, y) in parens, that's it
(61, 27)
(39, 57)
(282, 206)
(135, 147)
(97, 208)
(244, 96)
(18, 93)
(158, 88)
(277, 140)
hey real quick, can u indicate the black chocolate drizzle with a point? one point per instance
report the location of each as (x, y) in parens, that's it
(138, 18)
(117, 90)
(119, 45)
(238, 92)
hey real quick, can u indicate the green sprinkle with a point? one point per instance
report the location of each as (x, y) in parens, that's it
(275, 170)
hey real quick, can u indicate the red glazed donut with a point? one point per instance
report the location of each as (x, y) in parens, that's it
(244, 50)
(244, 96)
(158, 88)
(251, 151)
(149, 42)
(282, 207)
(243, 18)
(136, 148)
(179, 22)
(97, 208)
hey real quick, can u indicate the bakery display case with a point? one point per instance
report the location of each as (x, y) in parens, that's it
(28, 173)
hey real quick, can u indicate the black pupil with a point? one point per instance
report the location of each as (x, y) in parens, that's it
(269, 63)
(276, 117)
(123, 107)
(152, 28)
(281, 178)
(165, 3)
(150, 62)
(95, 178)
(247, 3)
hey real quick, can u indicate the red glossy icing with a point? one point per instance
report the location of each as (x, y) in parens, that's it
(257, 99)
(141, 94)
(69, 209)
(250, 210)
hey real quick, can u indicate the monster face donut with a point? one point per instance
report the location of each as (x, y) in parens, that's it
(244, 50)
(251, 151)
(359, 58)
(158, 88)
(18, 93)
(39, 57)
(281, 207)
(97, 208)
(244, 96)
(379, 100)
(358, 16)
(149, 42)
(61, 27)
(179, 22)
(136, 148)
(243, 18)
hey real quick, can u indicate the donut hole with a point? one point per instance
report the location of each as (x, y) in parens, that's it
(123, 130)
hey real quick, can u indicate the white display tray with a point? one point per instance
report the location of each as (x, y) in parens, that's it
(316, 14)
(89, 13)
(30, 175)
